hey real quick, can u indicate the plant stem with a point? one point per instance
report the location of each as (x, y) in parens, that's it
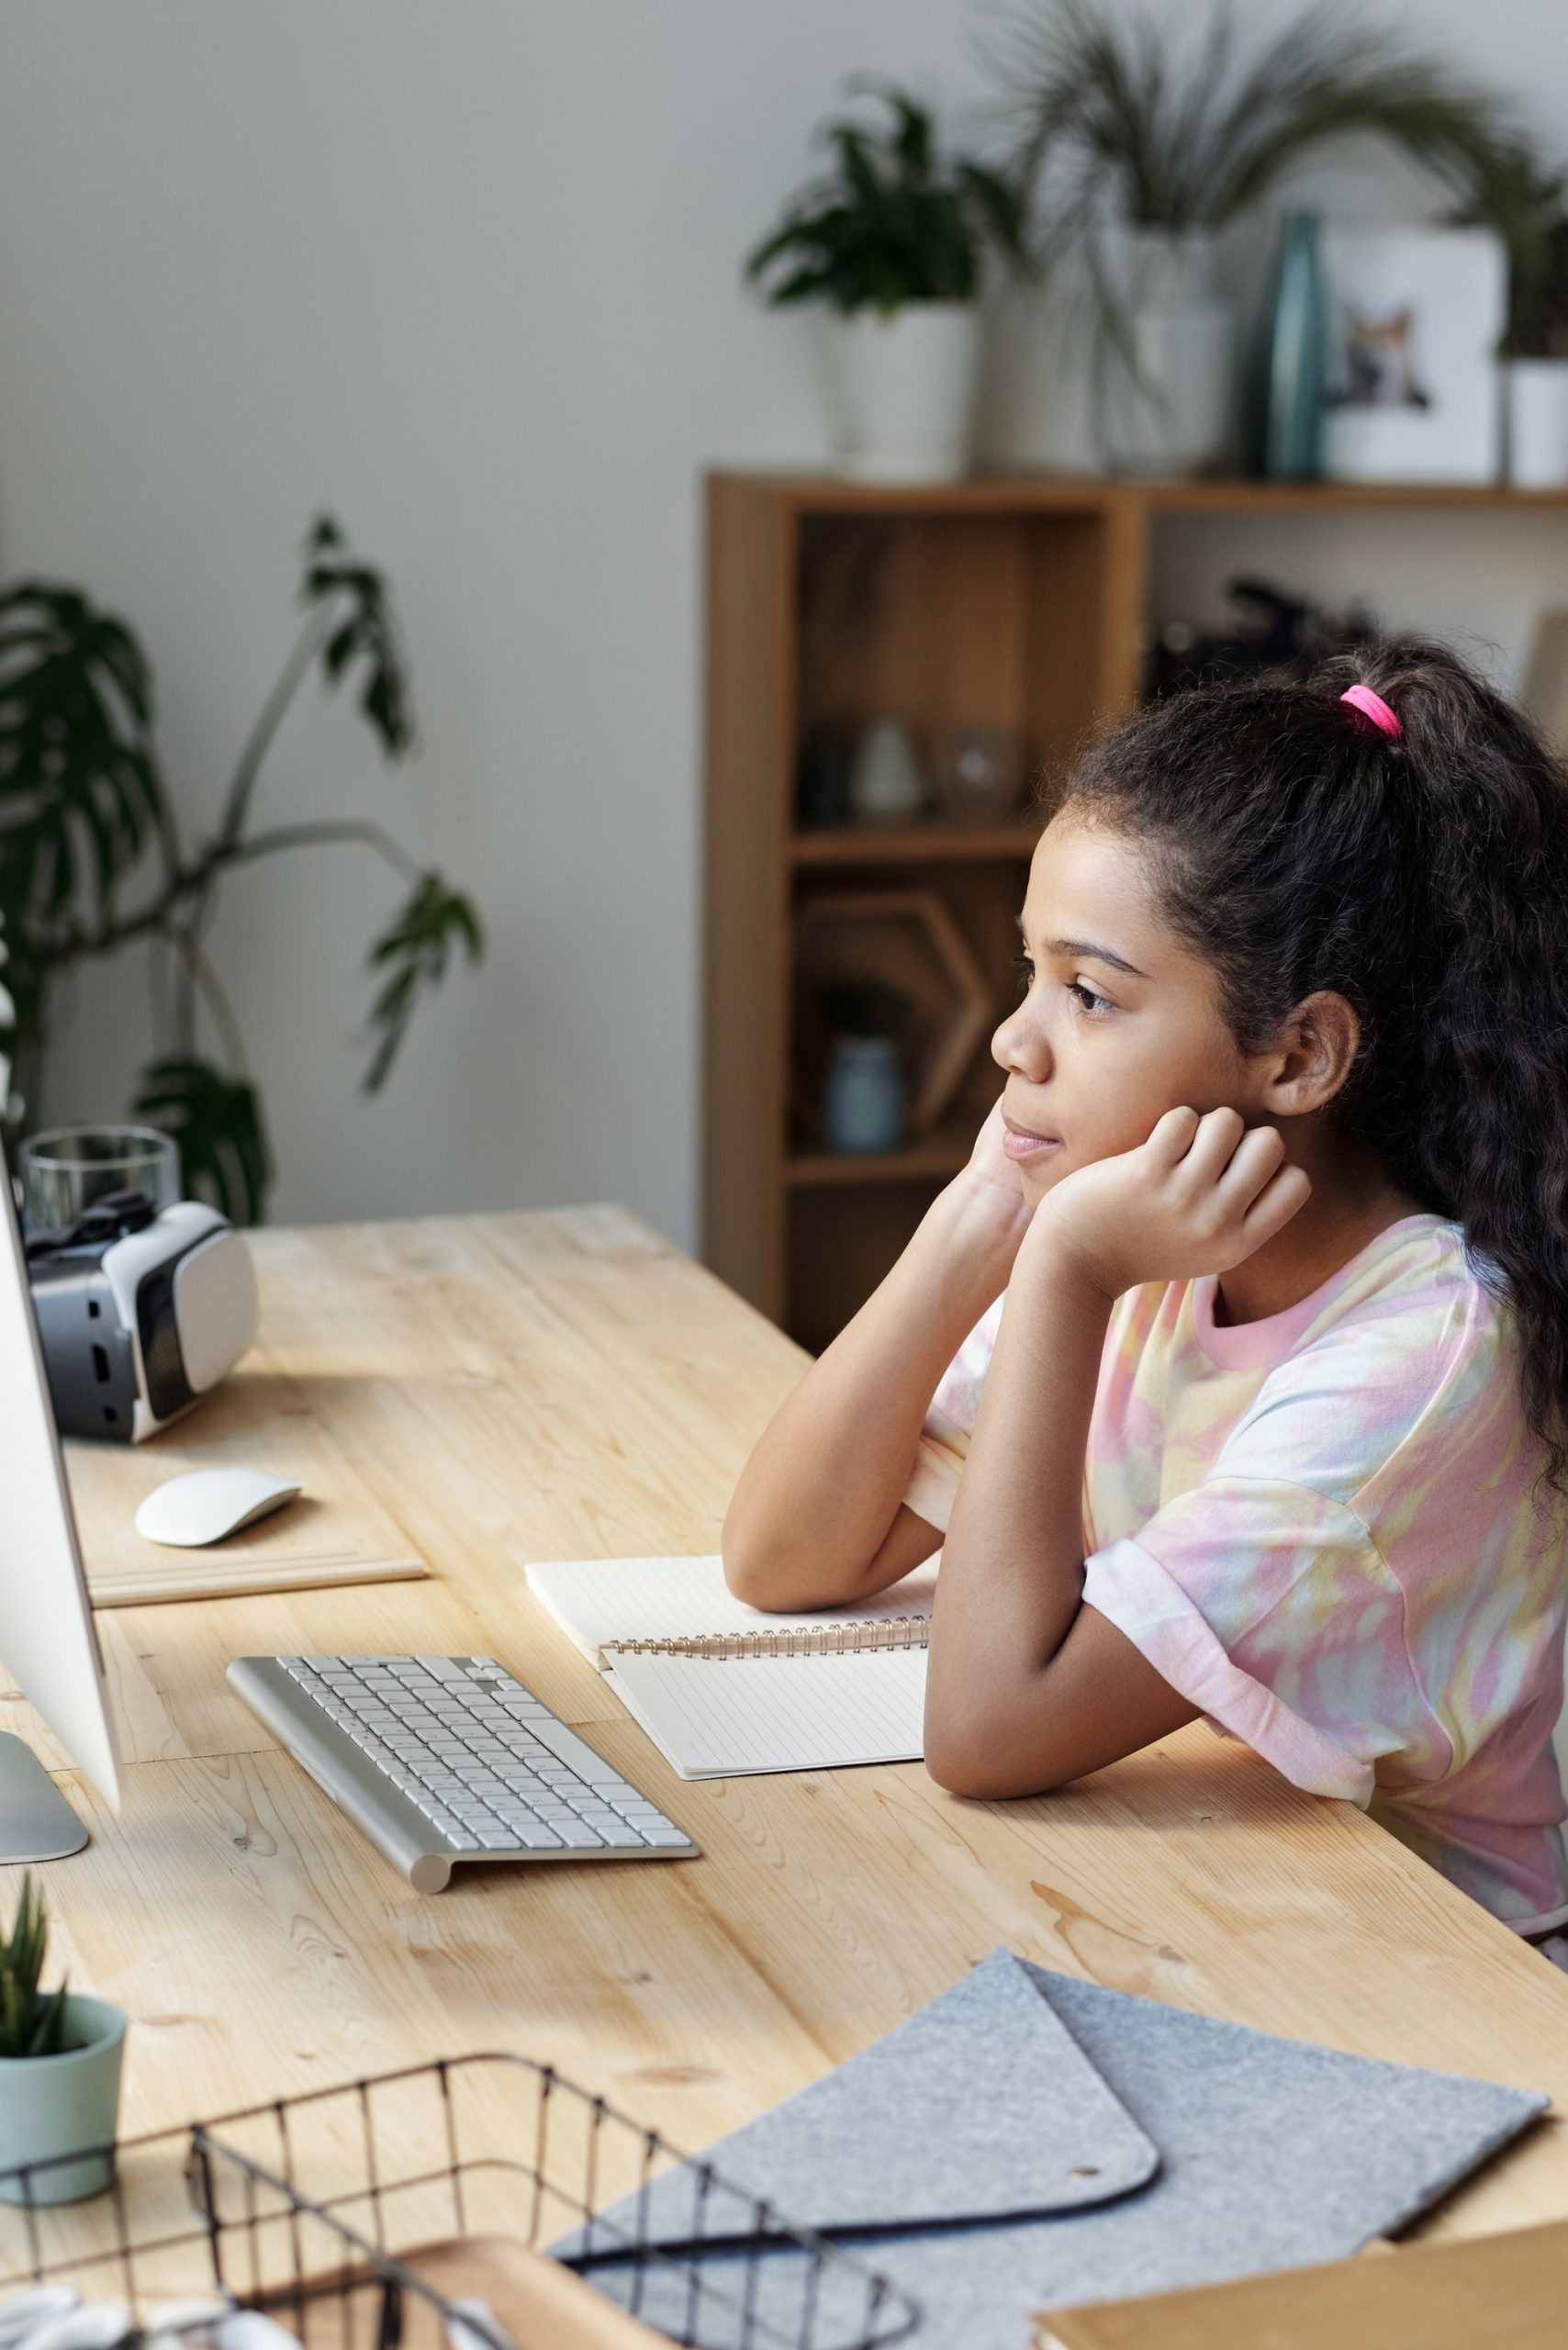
(191, 884)
(274, 711)
(76, 946)
(326, 832)
(205, 979)
(169, 842)
(184, 1001)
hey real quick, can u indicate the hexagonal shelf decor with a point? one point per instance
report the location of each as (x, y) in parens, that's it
(906, 939)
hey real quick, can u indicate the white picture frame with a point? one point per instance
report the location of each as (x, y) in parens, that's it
(1412, 384)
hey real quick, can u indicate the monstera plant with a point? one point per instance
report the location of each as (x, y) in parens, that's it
(92, 859)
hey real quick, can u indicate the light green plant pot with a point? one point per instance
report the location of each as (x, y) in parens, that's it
(54, 2105)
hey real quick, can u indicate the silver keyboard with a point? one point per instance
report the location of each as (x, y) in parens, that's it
(443, 1758)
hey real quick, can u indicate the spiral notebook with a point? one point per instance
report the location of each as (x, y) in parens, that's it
(724, 1690)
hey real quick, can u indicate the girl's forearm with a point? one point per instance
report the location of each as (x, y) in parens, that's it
(1013, 1560)
(824, 1485)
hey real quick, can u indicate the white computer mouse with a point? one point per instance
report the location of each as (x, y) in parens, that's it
(208, 1505)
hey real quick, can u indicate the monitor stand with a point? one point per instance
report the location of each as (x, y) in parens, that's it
(35, 1822)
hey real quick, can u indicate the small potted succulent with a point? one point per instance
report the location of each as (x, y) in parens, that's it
(892, 242)
(60, 2071)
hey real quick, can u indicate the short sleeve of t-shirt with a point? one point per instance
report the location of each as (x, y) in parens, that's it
(1268, 1605)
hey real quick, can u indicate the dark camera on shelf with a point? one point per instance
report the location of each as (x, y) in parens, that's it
(1274, 630)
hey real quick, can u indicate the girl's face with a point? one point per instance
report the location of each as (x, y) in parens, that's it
(1120, 1020)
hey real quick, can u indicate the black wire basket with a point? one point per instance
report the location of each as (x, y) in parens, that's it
(359, 2217)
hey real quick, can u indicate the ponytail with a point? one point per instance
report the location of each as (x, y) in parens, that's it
(1424, 877)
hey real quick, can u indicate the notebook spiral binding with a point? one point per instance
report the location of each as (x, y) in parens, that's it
(816, 1639)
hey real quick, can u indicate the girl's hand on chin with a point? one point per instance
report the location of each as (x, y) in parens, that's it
(989, 1163)
(1198, 1197)
(989, 1193)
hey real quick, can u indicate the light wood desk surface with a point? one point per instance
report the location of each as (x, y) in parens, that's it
(548, 1386)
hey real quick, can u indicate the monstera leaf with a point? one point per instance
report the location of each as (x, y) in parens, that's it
(21, 993)
(413, 952)
(19, 989)
(80, 794)
(217, 1122)
(365, 633)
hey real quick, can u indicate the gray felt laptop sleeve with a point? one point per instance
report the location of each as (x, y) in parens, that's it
(1030, 2140)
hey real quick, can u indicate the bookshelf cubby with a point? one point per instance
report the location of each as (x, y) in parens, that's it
(1016, 603)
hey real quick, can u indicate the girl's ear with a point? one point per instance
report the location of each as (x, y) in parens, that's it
(1312, 1058)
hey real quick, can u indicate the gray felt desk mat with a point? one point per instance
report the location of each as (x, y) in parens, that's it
(1271, 2154)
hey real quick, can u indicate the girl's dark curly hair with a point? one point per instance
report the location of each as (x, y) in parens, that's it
(1425, 880)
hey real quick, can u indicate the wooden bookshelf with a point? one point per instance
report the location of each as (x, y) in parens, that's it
(933, 1156)
(919, 845)
(1016, 602)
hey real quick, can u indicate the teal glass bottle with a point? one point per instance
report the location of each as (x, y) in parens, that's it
(1288, 395)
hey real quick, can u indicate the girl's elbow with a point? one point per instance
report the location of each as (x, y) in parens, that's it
(745, 1566)
(974, 1759)
(768, 1568)
(759, 1569)
(956, 1756)
(952, 1765)
(960, 1768)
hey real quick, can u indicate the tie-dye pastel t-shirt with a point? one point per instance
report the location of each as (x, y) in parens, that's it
(1321, 1529)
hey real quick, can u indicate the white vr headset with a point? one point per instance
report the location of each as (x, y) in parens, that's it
(139, 1314)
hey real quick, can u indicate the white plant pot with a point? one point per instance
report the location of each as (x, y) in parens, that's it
(899, 390)
(1038, 408)
(1168, 404)
(1537, 416)
(51, 2105)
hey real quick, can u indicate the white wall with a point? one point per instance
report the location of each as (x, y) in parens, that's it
(468, 273)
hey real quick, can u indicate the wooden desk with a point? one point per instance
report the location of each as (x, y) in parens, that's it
(546, 1386)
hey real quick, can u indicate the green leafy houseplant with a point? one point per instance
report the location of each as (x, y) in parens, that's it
(890, 224)
(92, 859)
(32, 2022)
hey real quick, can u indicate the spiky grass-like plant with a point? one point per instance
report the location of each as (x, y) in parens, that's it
(32, 2022)
(1112, 118)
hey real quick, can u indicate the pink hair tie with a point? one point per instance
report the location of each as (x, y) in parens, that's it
(1374, 710)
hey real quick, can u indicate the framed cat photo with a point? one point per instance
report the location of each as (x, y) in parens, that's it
(1414, 319)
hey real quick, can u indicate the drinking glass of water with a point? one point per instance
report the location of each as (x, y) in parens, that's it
(64, 1170)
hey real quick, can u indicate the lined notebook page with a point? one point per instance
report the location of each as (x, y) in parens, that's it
(820, 1713)
(597, 1601)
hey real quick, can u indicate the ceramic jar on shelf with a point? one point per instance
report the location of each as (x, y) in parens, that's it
(887, 783)
(1168, 403)
(978, 774)
(864, 1098)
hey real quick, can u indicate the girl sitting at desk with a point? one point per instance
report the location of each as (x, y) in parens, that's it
(1231, 1375)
